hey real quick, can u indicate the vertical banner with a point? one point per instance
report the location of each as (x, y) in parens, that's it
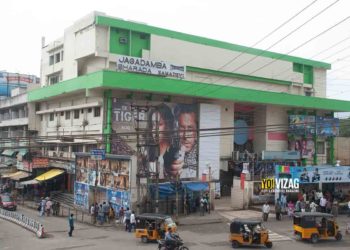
(118, 199)
(209, 145)
(81, 195)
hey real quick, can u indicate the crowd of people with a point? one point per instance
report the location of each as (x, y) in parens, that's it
(48, 207)
(312, 201)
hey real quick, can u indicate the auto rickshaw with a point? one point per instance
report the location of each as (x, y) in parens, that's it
(248, 232)
(315, 226)
(152, 227)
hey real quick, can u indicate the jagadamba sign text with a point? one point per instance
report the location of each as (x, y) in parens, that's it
(144, 66)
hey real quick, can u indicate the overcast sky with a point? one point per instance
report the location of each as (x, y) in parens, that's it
(243, 22)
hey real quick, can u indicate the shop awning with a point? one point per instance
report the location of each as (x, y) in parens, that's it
(19, 175)
(30, 182)
(49, 174)
(8, 152)
(22, 152)
(9, 175)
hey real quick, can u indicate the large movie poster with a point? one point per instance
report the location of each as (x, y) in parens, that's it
(110, 173)
(169, 138)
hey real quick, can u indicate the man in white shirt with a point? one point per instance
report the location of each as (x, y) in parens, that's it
(266, 211)
(132, 221)
(323, 202)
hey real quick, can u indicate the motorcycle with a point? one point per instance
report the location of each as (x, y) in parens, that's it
(176, 244)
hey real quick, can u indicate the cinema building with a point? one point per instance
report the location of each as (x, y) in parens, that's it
(105, 77)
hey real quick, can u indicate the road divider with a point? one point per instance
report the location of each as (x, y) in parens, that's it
(23, 221)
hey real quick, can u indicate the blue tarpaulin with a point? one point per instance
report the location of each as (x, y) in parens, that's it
(169, 189)
(197, 186)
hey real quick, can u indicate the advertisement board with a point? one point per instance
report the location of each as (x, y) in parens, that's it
(109, 173)
(315, 174)
(118, 199)
(327, 126)
(301, 125)
(81, 195)
(169, 137)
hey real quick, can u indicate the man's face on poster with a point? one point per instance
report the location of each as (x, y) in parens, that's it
(187, 130)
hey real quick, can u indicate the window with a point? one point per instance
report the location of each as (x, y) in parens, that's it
(53, 79)
(321, 148)
(51, 61)
(77, 148)
(62, 55)
(89, 110)
(64, 149)
(76, 114)
(52, 148)
(82, 111)
(97, 112)
(57, 57)
(52, 116)
(67, 115)
(62, 113)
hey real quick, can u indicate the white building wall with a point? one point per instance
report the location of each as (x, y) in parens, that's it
(177, 51)
(62, 126)
(277, 123)
(320, 83)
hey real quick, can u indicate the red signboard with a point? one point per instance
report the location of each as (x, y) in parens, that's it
(40, 162)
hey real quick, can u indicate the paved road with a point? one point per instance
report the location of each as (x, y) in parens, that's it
(208, 236)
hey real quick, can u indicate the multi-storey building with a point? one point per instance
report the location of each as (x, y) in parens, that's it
(102, 80)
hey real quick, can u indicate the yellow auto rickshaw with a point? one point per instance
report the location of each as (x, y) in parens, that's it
(314, 226)
(248, 232)
(152, 227)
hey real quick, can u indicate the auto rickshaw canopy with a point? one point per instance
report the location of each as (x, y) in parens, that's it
(308, 219)
(236, 224)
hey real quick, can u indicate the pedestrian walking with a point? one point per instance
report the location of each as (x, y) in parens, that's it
(266, 211)
(43, 206)
(313, 207)
(121, 215)
(202, 206)
(71, 225)
(127, 219)
(92, 214)
(323, 203)
(278, 209)
(349, 209)
(100, 215)
(335, 208)
(105, 208)
(290, 209)
(132, 222)
(111, 213)
(48, 207)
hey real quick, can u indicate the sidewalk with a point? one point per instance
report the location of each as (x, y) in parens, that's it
(196, 219)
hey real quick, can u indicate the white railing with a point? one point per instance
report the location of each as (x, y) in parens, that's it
(24, 221)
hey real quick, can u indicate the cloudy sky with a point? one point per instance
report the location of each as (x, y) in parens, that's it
(320, 32)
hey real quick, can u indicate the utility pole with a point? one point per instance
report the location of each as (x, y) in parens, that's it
(157, 163)
(139, 162)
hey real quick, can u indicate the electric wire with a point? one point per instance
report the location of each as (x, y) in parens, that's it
(280, 57)
(280, 40)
